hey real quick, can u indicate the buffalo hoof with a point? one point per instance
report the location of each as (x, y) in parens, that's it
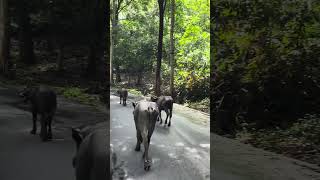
(169, 124)
(49, 136)
(146, 168)
(147, 165)
(137, 148)
(33, 131)
(165, 122)
(44, 139)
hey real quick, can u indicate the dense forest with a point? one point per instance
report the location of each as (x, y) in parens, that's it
(265, 74)
(59, 43)
(135, 47)
(44, 32)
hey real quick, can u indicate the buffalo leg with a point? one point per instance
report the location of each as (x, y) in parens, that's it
(139, 140)
(49, 127)
(43, 132)
(160, 117)
(170, 117)
(34, 121)
(120, 99)
(147, 162)
(167, 113)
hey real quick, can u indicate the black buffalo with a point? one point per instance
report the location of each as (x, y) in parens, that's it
(165, 103)
(44, 102)
(123, 93)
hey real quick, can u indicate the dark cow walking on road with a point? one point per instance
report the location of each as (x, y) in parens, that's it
(145, 116)
(123, 96)
(165, 103)
(44, 102)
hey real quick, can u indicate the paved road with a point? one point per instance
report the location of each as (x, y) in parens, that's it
(24, 156)
(232, 160)
(181, 151)
(178, 152)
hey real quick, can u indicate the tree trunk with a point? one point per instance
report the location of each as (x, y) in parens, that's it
(118, 77)
(50, 46)
(117, 6)
(91, 69)
(60, 58)
(98, 67)
(115, 21)
(172, 48)
(212, 69)
(111, 57)
(112, 38)
(162, 5)
(139, 78)
(129, 79)
(4, 37)
(106, 18)
(25, 38)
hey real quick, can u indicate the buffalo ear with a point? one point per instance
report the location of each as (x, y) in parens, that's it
(76, 135)
(134, 104)
(154, 98)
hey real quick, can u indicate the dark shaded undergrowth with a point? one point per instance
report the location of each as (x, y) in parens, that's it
(300, 140)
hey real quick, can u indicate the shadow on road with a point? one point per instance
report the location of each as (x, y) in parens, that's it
(161, 129)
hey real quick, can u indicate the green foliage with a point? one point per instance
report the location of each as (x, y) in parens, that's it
(192, 50)
(267, 57)
(72, 92)
(135, 92)
(307, 128)
(136, 47)
(202, 105)
(299, 141)
(79, 95)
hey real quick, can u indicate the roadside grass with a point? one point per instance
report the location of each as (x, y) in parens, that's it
(73, 93)
(203, 105)
(77, 94)
(135, 92)
(300, 141)
(132, 91)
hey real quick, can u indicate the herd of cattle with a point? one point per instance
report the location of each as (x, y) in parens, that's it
(92, 158)
(145, 115)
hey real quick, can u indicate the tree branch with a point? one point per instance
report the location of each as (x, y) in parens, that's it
(127, 4)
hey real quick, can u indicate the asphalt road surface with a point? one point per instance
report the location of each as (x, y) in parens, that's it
(178, 152)
(23, 156)
(232, 160)
(181, 151)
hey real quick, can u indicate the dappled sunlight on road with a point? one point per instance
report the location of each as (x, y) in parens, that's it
(205, 145)
(179, 144)
(177, 152)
